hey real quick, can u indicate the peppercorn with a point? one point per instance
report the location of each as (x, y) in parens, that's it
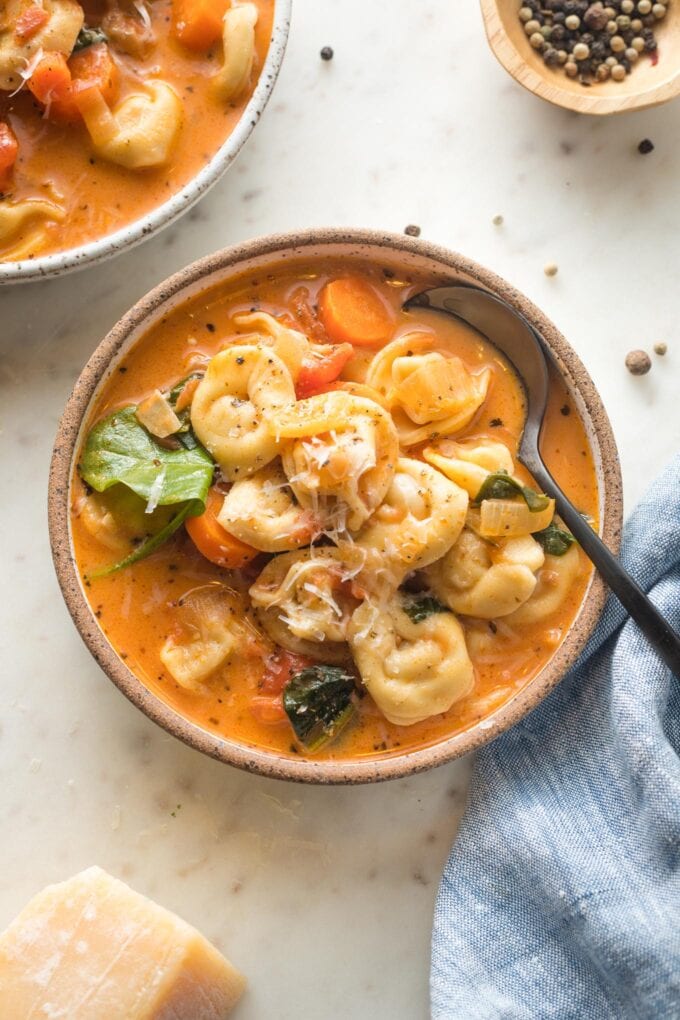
(595, 17)
(326, 53)
(618, 72)
(412, 230)
(571, 69)
(550, 269)
(638, 362)
(572, 22)
(660, 348)
(525, 14)
(537, 41)
(646, 146)
(644, 6)
(497, 220)
(659, 11)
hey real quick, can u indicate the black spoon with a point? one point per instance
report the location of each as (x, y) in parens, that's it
(510, 332)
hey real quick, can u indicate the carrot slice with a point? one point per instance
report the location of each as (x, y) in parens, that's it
(198, 23)
(316, 373)
(9, 150)
(213, 541)
(352, 312)
(268, 710)
(30, 22)
(59, 84)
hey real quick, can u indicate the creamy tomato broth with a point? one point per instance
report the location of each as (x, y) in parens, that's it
(109, 107)
(330, 546)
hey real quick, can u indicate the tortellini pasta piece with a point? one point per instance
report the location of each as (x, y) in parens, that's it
(262, 511)
(554, 584)
(428, 393)
(305, 599)
(118, 519)
(290, 345)
(341, 455)
(411, 670)
(238, 36)
(468, 463)
(58, 34)
(140, 132)
(212, 626)
(488, 580)
(244, 387)
(421, 517)
(23, 224)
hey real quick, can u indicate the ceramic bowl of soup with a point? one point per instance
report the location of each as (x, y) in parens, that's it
(117, 115)
(289, 522)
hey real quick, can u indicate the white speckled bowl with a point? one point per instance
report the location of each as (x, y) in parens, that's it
(106, 247)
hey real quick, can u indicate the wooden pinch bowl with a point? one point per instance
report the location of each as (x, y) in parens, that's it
(399, 254)
(649, 84)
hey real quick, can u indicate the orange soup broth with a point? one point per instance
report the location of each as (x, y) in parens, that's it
(57, 162)
(135, 606)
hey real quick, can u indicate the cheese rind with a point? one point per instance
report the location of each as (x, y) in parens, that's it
(92, 949)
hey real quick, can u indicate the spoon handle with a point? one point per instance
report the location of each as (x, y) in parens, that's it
(656, 629)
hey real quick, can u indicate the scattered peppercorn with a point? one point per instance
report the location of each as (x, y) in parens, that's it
(638, 362)
(497, 220)
(412, 230)
(660, 349)
(592, 42)
(550, 269)
(326, 53)
(645, 147)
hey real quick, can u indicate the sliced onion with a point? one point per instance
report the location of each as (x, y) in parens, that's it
(509, 518)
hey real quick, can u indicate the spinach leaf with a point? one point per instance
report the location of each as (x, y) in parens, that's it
(89, 37)
(119, 449)
(555, 541)
(318, 703)
(149, 544)
(500, 485)
(419, 607)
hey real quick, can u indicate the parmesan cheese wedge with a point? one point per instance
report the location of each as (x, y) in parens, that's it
(92, 949)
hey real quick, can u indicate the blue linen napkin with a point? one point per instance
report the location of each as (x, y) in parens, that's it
(561, 897)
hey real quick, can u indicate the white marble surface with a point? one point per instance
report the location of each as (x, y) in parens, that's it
(323, 896)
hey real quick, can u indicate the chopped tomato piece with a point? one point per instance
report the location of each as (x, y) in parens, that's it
(30, 22)
(318, 372)
(198, 23)
(58, 84)
(213, 541)
(306, 317)
(9, 150)
(280, 667)
(353, 312)
(268, 710)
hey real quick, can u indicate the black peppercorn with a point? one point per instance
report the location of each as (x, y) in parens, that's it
(326, 53)
(646, 146)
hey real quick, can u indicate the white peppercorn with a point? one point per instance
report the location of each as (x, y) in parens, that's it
(638, 43)
(627, 6)
(611, 62)
(644, 6)
(562, 56)
(580, 51)
(660, 348)
(612, 27)
(572, 22)
(532, 26)
(537, 41)
(525, 14)
(610, 12)
(618, 72)
(623, 22)
(497, 220)
(602, 72)
(636, 25)
(631, 54)
(617, 43)
(571, 69)
(550, 269)
(659, 11)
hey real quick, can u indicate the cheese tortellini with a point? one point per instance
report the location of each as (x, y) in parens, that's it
(468, 463)
(238, 36)
(428, 393)
(140, 132)
(58, 34)
(26, 222)
(290, 345)
(412, 670)
(420, 518)
(341, 454)
(484, 579)
(555, 581)
(262, 511)
(305, 599)
(213, 625)
(242, 392)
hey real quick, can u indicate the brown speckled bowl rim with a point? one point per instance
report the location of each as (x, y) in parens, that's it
(347, 243)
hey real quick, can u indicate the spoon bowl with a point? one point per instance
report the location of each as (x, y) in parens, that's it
(523, 346)
(649, 84)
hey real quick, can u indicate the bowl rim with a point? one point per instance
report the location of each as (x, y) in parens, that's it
(546, 85)
(134, 233)
(227, 262)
